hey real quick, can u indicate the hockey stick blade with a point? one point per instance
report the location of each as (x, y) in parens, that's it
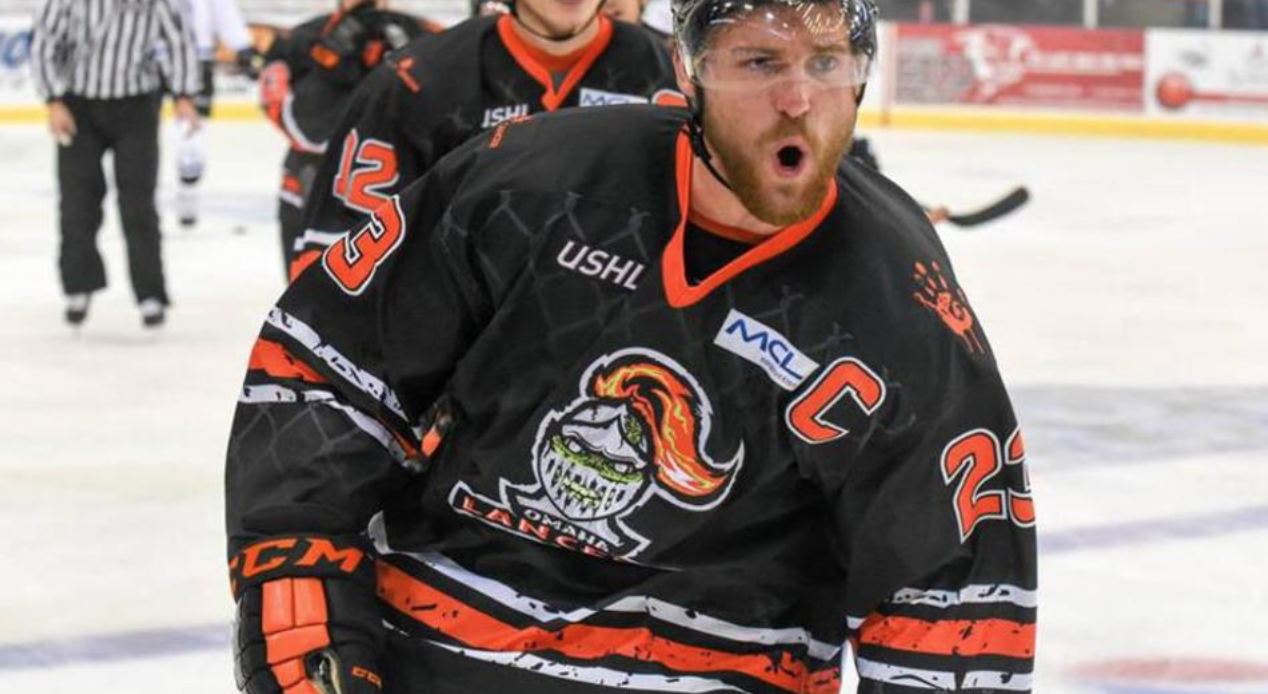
(994, 211)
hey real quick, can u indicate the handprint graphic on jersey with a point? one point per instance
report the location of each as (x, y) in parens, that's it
(948, 302)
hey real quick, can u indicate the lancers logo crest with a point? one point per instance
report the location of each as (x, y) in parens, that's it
(638, 430)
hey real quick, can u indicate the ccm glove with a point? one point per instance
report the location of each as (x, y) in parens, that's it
(307, 620)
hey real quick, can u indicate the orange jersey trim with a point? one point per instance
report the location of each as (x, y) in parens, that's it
(726, 231)
(529, 58)
(961, 637)
(272, 358)
(302, 261)
(292, 184)
(682, 294)
(431, 441)
(474, 628)
(553, 63)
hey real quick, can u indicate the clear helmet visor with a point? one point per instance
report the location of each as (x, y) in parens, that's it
(755, 44)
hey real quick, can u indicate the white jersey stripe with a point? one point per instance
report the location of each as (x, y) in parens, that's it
(297, 134)
(319, 239)
(356, 376)
(292, 199)
(907, 677)
(658, 609)
(265, 394)
(972, 594)
(599, 676)
(985, 679)
(942, 681)
(977, 594)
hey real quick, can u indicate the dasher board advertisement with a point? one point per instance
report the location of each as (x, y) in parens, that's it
(16, 86)
(1198, 74)
(996, 65)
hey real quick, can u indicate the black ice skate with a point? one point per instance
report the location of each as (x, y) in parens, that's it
(77, 309)
(153, 315)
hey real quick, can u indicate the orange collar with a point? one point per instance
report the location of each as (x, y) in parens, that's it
(726, 231)
(539, 64)
(678, 291)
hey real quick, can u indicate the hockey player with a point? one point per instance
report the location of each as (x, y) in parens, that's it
(309, 78)
(541, 55)
(639, 399)
(211, 21)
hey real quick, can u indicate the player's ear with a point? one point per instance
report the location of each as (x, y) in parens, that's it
(685, 85)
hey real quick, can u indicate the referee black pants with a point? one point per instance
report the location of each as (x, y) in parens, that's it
(129, 127)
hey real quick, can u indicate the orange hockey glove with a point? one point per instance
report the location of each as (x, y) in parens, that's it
(307, 620)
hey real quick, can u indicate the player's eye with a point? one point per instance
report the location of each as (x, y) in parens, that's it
(824, 64)
(762, 65)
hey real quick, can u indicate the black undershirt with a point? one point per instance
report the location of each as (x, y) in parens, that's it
(704, 252)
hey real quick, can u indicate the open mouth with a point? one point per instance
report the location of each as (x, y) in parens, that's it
(790, 158)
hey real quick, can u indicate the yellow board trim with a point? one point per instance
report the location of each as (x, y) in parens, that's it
(221, 111)
(1067, 124)
(940, 119)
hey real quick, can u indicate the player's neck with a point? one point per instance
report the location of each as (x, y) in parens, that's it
(556, 48)
(712, 200)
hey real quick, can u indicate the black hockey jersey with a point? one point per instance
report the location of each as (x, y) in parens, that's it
(585, 472)
(438, 93)
(307, 82)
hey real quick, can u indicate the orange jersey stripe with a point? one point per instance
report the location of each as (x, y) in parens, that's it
(963, 637)
(273, 359)
(302, 261)
(446, 614)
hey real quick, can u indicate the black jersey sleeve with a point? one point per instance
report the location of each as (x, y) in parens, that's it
(940, 549)
(915, 442)
(340, 404)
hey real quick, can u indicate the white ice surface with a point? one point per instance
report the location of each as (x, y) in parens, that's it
(1124, 303)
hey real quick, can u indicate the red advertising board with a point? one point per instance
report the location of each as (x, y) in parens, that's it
(1053, 67)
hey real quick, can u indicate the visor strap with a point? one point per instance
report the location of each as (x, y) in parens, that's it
(695, 128)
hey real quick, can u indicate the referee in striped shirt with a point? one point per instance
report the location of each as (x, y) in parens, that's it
(102, 66)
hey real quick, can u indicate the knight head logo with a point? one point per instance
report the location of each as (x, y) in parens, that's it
(638, 430)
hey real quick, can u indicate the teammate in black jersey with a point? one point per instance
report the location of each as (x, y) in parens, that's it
(640, 399)
(311, 73)
(542, 56)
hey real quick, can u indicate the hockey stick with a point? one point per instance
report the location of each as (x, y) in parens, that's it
(1018, 197)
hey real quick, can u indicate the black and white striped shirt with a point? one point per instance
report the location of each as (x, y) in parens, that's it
(109, 49)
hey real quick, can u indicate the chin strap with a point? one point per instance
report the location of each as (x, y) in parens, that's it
(695, 130)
